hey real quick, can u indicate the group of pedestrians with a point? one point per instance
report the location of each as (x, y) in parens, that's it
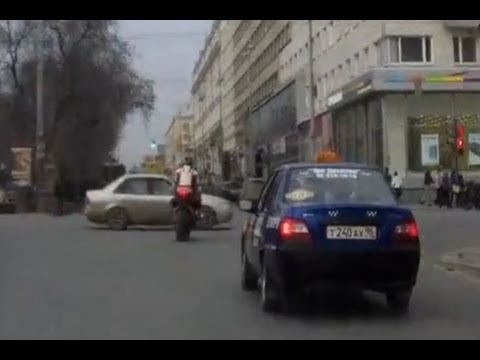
(442, 187)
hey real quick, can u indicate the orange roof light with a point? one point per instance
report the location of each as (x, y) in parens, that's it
(327, 156)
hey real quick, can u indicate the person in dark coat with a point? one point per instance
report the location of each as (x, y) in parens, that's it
(445, 190)
(429, 189)
(455, 187)
(59, 194)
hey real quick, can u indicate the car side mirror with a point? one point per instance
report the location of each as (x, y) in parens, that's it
(248, 206)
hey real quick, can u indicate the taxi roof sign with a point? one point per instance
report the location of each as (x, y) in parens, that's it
(327, 156)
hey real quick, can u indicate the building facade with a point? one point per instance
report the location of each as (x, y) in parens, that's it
(388, 92)
(207, 104)
(179, 137)
(385, 92)
(251, 49)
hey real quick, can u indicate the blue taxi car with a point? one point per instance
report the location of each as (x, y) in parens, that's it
(328, 223)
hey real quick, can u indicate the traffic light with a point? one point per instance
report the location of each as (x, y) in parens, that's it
(460, 141)
(153, 144)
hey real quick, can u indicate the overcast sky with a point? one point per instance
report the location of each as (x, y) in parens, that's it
(165, 51)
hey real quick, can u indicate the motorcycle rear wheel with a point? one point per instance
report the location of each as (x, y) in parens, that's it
(183, 225)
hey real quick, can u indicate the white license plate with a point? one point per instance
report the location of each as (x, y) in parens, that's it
(352, 232)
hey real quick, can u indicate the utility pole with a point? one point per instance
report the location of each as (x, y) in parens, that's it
(455, 126)
(247, 156)
(311, 134)
(39, 136)
(221, 155)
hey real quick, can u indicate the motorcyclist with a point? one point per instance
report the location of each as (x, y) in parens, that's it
(186, 176)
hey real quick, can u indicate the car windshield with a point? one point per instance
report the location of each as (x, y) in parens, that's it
(337, 185)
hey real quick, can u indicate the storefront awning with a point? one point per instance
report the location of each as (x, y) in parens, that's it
(404, 80)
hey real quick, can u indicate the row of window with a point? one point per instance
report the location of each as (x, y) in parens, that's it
(240, 31)
(257, 36)
(271, 52)
(416, 49)
(264, 59)
(264, 91)
(399, 50)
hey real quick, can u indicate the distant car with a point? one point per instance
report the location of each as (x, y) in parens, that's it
(144, 199)
(335, 223)
(8, 199)
(231, 190)
(251, 189)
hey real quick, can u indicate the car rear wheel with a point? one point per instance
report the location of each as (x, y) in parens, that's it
(249, 279)
(207, 218)
(117, 219)
(399, 300)
(270, 293)
(183, 225)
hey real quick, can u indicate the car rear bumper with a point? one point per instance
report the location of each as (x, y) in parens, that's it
(224, 215)
(97, 217)
(379, 270)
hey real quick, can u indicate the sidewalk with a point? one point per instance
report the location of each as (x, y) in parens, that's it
(466, 259)
(436, 208)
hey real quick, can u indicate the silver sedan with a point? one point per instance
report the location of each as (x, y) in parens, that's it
(144, 199)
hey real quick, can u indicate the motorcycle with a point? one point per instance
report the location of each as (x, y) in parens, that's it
(184, 213)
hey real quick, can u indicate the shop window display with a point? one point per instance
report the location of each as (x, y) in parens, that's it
(431, 142)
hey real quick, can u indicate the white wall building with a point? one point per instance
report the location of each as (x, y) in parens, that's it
(207, 103)
(365, 73)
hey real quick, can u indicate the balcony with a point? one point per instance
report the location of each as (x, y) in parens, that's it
(462, 24)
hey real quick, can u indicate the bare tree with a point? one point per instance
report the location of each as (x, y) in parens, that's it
(90, 87)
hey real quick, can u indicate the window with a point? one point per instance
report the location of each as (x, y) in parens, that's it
(160, 187)
(338, 185)
(266, 195)
(366, 58)
(356, 64)
(133, 187)
(465, 49)
(324, 40)
(340, 75)
(410, 49)
(330, 37)
(325, 86)
(348, 69)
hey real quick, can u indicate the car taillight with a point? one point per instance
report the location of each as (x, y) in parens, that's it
(183, 192)
(406, 232)
(293, 230)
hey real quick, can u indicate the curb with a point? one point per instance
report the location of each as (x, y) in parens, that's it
(452, 261)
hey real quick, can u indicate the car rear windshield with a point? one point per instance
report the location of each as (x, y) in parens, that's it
(337, 185)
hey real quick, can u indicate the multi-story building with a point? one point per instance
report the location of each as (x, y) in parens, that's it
(251, 49)
(179, 137)
(392, 90)
(207, 104)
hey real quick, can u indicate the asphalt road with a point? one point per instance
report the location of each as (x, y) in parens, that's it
(62, 279)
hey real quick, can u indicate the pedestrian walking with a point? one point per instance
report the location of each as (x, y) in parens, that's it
(59, 193)
(397, 185)
(445, 190)
(437, 183)
(429, 189)
(455, 185)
